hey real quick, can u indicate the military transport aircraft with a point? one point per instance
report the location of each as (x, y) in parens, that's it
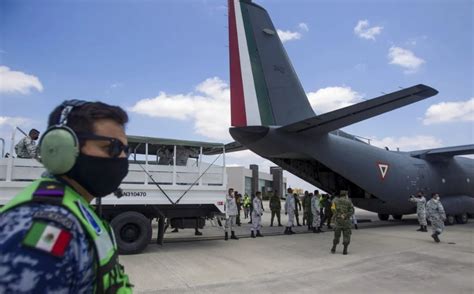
(272, 117)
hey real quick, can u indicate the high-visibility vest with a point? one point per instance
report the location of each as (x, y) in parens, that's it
(110, 275)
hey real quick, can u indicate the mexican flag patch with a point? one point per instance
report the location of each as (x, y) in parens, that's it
(48, 238)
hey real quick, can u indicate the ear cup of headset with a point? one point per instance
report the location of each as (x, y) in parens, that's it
(59, 148)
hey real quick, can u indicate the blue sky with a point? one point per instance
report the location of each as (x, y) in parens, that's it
(174, 53)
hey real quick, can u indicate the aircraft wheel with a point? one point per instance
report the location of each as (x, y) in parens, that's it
(397, 216)
(450, 220)
(132, 231)
(383, 217)
(462, 218)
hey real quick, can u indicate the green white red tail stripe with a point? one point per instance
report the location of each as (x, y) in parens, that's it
(48, 238)
(250, 105)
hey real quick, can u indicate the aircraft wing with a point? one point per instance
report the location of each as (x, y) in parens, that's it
(444, 152)
(339, 118)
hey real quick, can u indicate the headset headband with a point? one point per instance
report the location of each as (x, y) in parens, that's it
(68, 106)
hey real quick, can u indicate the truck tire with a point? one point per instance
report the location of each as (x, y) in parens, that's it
(383, 217)
(450, 220)
(462, 218)
(132, 232)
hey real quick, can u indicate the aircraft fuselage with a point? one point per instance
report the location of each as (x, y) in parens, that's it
(377, 179)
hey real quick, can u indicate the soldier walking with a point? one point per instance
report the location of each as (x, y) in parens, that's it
(343, 211)
(290, 211)
(231, 211)
(436, 215)
(275, 208)
(257, 215)
(314, 209)
(420, 201)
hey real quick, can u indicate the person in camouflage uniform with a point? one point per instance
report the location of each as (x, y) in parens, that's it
(307, 214)
(342, 212)
(316, 218)
(436, 215)
(275, 207)
(257, 215)
(298, 208)
(26, 147)
(420, 201)
(290, 211)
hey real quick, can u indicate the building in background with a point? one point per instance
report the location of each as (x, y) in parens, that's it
(249, 180)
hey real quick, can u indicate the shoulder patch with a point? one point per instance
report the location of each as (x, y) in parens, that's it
(47, 238)
(56, 217)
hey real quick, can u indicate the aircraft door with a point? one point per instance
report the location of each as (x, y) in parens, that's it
(421, 179)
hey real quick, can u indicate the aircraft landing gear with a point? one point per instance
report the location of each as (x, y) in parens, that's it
(462, 218)
(397, 216)
(383, 217)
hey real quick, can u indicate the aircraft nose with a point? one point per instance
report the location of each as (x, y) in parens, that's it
(248, 135)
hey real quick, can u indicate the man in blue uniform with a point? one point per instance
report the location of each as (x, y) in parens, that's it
(51, 240)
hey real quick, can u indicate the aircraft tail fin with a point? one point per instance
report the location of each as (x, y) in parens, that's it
(265, 90)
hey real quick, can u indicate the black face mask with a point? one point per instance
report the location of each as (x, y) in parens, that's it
(100, 176)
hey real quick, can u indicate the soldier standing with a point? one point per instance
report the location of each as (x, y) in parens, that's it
(315, 212)
(290, 211)
(437, 216)
(307, 213)
(246, 205)
(231, 212)
(275, 207)
(420, 201)
(343, 211)
(26, 147)
(328, 211)
(238, 201)
(257, 215)
(51, 238)
(298, 208)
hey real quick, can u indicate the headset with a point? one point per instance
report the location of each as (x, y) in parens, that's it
(59, 145)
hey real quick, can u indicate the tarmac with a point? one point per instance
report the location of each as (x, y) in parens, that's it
(384, 257)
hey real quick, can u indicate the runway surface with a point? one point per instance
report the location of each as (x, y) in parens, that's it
(384, 257)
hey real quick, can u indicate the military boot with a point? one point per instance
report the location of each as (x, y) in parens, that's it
(233, 236)
(345, 249)
(252, 234)
(424, 229)
(333, 249)
(290, 231)
(316, 230)
(258, 234)
(226, 236)
(435, 237)
(420, 229)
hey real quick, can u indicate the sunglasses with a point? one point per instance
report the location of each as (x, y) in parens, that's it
(116, 147)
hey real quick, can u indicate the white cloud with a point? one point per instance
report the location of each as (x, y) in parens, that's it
(209, 108)
(332, 98)
(363, 30)
(18, 82)
(445, 112)
(303, 26)
(13, 121)
(405, 58)
(406, 143)
(286, 36)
